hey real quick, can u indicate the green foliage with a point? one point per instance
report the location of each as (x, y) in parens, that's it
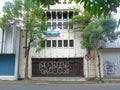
(98, 31)
(4, 24)
(27, 16)
(99, 7)
(45, 3)
(81, 21)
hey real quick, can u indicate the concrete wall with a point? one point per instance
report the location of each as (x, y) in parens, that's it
(59, 52)
(0, 39)
(12, 39)
(76, 51)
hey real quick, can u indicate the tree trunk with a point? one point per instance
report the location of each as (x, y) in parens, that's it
(27, 58)
(99, 66)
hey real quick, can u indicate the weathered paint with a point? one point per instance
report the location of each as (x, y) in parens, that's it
(111, 63)
(7, 64)
(57, 67)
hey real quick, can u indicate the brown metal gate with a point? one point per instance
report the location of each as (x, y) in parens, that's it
(57, 67)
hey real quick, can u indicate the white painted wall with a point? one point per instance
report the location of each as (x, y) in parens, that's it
(60, 52)
(0, 39)
(114, 44)
(8, 41)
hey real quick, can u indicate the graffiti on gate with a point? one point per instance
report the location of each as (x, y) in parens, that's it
(109, 68)
(57, 67)
(54, 68)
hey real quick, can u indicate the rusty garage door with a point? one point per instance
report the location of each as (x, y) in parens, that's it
(57, 67)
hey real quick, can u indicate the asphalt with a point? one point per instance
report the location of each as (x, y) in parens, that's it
(61, 82)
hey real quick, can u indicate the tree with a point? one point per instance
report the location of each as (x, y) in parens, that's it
(94, 7)
(99, 7)
(46, 3)
(80, 21)
(27, 16)
(96, 34)
(4, 25)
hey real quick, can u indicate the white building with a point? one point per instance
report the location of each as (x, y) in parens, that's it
(62, 58)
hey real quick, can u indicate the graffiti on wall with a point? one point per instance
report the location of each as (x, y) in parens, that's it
(109, 68)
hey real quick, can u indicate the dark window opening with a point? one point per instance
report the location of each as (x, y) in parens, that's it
(60, 25)
(70, 15)
(65, 43)
(54, 15)
(59, 16)
(71, 43)
(69, 2)
(49, 25)
(65, 26)
(48, 43)
(54, 26)
(59, 43)
(65, 16)
(48, 16)
(64, 2)
(70, 26)
(53, 43)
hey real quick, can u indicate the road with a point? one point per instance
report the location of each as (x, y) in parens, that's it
(38, 86)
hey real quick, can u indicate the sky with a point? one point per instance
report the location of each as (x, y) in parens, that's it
(1, 5)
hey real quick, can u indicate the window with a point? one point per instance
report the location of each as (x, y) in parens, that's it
(70, 26)
(65, 16)
(48, 43)
(59, 43)
(59, 16)
(48, 16)
(69, 2)
(60, 25)
(53, 43)
(49, 25)
(54, 16)
(65, 26)
(54, 26)
(65, 43)
(64, 2)
(70, 15)
(59, 19)
(71, 43)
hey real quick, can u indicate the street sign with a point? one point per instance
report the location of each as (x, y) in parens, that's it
(88, 56)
